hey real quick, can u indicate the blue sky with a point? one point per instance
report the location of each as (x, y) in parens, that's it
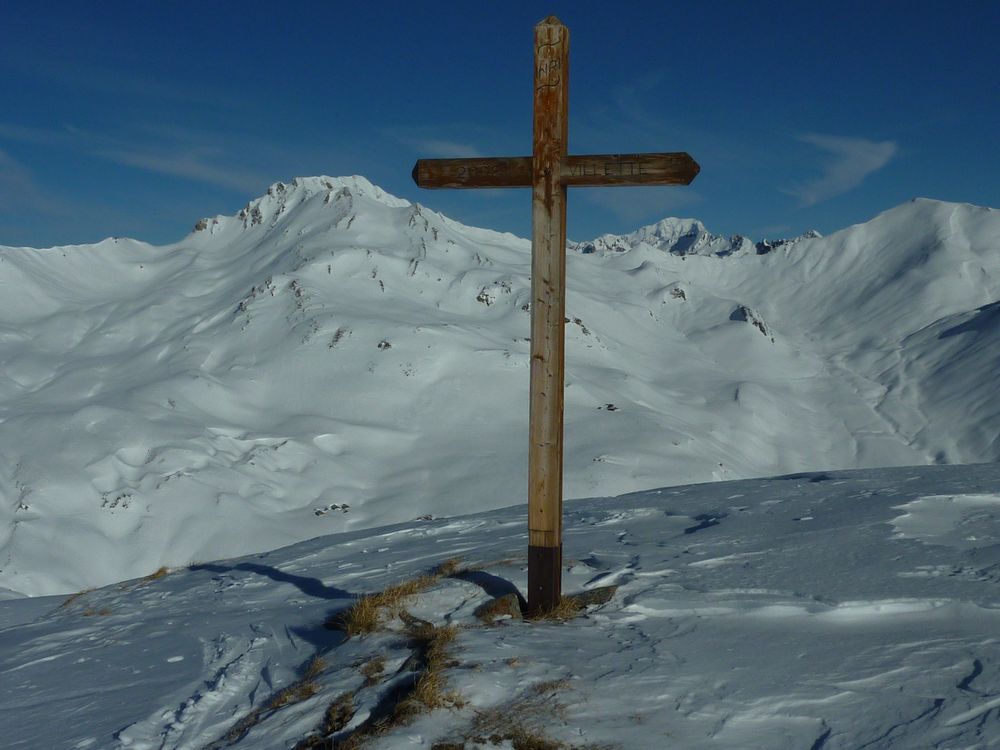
(136, 119)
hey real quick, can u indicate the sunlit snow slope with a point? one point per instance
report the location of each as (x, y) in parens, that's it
(334, 358)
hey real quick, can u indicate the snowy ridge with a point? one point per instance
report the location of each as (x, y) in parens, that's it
(684, 237)
(333, 358)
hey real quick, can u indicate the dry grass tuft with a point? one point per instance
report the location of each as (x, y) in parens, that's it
(372, 670)
(294, 693)
(431, 650)
(360, 618)
(519, 737)
(158, 573)
(503, 607)
(69, 600)
(365, 615)
(550, 686)
(429, 691)
(567, 608)
(314, 668)
(302, 689)
(519, 724)
(437, 645)
(338, 713)
(449, 567)
(573, 604)
(91, 612)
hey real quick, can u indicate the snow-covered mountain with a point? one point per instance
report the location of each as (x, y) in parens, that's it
(334, 358)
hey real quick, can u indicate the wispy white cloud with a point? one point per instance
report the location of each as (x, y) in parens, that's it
(444, 149)
(852, 160)
(123, 78)
(631, 102)
(631, 118)
(19, 191)
(456, 139)
(638, 204)
(42, 136)
(192, 166)
(198, 155)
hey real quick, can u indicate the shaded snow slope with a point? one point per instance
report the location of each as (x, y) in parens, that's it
(828, 610)
(334, 358)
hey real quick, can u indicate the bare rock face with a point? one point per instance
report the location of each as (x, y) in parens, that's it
(747, 315)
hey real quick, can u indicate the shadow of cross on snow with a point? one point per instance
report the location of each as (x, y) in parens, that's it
(308, 586)
(494, 586)
(321, 636)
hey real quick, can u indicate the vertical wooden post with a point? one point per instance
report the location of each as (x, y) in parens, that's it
(548, 302)
(548, 172)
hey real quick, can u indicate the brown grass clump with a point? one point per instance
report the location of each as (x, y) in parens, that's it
(360, 618)
(432, 651)
(365, 615)
(338, 713)
(520, 722)
(449, 567)
(91, 612)
(550, 686)
(303, 688)
(294, 693)
(394, 594)
(156, 574)
(298, 691)
(571, 605)
(429, 691)
(567, 608)
(506, 606)
(314, 668)
(372, 670)
(73, 598)
(519, 736)
(438, 641)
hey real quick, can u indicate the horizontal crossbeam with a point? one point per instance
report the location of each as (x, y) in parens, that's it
(676, 168)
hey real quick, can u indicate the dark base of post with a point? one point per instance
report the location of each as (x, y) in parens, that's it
(544, 579)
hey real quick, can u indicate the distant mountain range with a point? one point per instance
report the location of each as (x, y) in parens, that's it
(333, 358)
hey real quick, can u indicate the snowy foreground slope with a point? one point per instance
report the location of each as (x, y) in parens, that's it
(334, 358)
(831, 611)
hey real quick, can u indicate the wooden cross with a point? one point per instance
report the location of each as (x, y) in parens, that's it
(548, 172)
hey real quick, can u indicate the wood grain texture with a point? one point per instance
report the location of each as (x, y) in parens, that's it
(629, 169)
(548, 302)
(488, 172)
(592, 170)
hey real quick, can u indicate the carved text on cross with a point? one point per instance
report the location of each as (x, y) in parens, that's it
(548, 172)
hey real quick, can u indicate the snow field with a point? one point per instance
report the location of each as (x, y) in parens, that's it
(334, 358)
(827, 610)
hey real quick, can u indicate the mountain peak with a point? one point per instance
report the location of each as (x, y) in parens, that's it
(280, 197)
(672, 235)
